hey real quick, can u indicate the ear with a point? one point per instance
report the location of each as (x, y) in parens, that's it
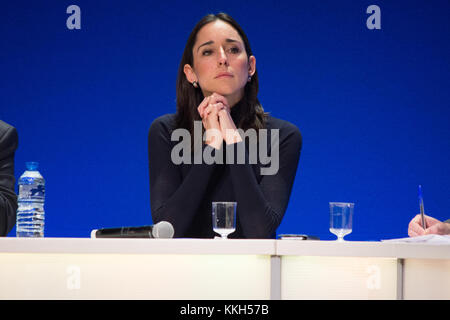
(190, 74)
(251, 65)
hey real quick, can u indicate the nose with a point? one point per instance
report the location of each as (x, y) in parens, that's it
(223, 59)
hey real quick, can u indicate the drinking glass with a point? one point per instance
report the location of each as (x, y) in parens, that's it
(341, 217)
(224, 218)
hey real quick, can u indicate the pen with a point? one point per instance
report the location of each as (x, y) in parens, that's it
(422, 213)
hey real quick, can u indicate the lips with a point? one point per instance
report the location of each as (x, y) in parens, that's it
(224, 74)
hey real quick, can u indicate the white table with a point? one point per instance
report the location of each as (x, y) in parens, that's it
(64, 268)
(363, 270)
(83, 268)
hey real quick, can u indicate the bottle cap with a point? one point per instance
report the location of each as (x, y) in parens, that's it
(32, 166)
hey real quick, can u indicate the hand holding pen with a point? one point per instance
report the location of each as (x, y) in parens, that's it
(422, 225)
(434, 226)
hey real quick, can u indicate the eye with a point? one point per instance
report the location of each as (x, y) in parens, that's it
(235, 50)
(206, 52)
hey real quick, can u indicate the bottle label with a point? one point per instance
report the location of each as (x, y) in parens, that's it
(31, 192)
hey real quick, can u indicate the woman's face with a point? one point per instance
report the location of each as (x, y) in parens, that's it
(220, 63)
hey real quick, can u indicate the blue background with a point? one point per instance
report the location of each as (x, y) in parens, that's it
(372, 105)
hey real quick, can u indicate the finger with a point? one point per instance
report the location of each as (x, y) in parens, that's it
(418, 220)
(215, 98)
(216, 107)
(416, 229)
(208, 109)
(437, 228)
(219, 106)
(205, 105)
(201, 107)
(412, 233)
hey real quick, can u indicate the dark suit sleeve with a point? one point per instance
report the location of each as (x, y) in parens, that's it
(8, 198)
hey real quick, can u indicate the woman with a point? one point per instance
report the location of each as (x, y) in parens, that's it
(217, 89)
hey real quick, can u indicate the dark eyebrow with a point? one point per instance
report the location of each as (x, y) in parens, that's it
(211, 42)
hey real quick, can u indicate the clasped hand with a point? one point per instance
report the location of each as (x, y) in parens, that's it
(216, 118)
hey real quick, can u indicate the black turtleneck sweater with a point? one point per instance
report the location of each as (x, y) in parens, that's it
(182, 193)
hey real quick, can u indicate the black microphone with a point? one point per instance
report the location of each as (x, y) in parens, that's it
(161, 230)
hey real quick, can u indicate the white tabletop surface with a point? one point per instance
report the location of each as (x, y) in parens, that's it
(229, 246)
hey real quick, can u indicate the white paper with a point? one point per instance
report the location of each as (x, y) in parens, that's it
(429, 238)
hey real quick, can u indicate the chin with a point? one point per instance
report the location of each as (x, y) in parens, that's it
(223, 90)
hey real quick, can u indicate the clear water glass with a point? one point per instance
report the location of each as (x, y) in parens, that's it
(224, 218)
(341, 219)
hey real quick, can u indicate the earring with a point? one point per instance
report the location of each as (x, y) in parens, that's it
(195, 84)
(249, 78)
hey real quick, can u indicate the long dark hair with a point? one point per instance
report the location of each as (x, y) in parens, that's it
(250, 112)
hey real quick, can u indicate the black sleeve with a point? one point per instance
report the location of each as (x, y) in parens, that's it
(8, 198)
(169, 193)
(262, 205)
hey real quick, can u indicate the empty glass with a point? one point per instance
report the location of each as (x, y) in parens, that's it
(224, 218)
(341, 218)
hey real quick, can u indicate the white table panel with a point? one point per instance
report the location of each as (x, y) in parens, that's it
(426, 279)
(67, 268)
(315, 277)
(133, 276)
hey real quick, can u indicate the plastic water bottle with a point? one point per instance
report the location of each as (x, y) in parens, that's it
(30, 212)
